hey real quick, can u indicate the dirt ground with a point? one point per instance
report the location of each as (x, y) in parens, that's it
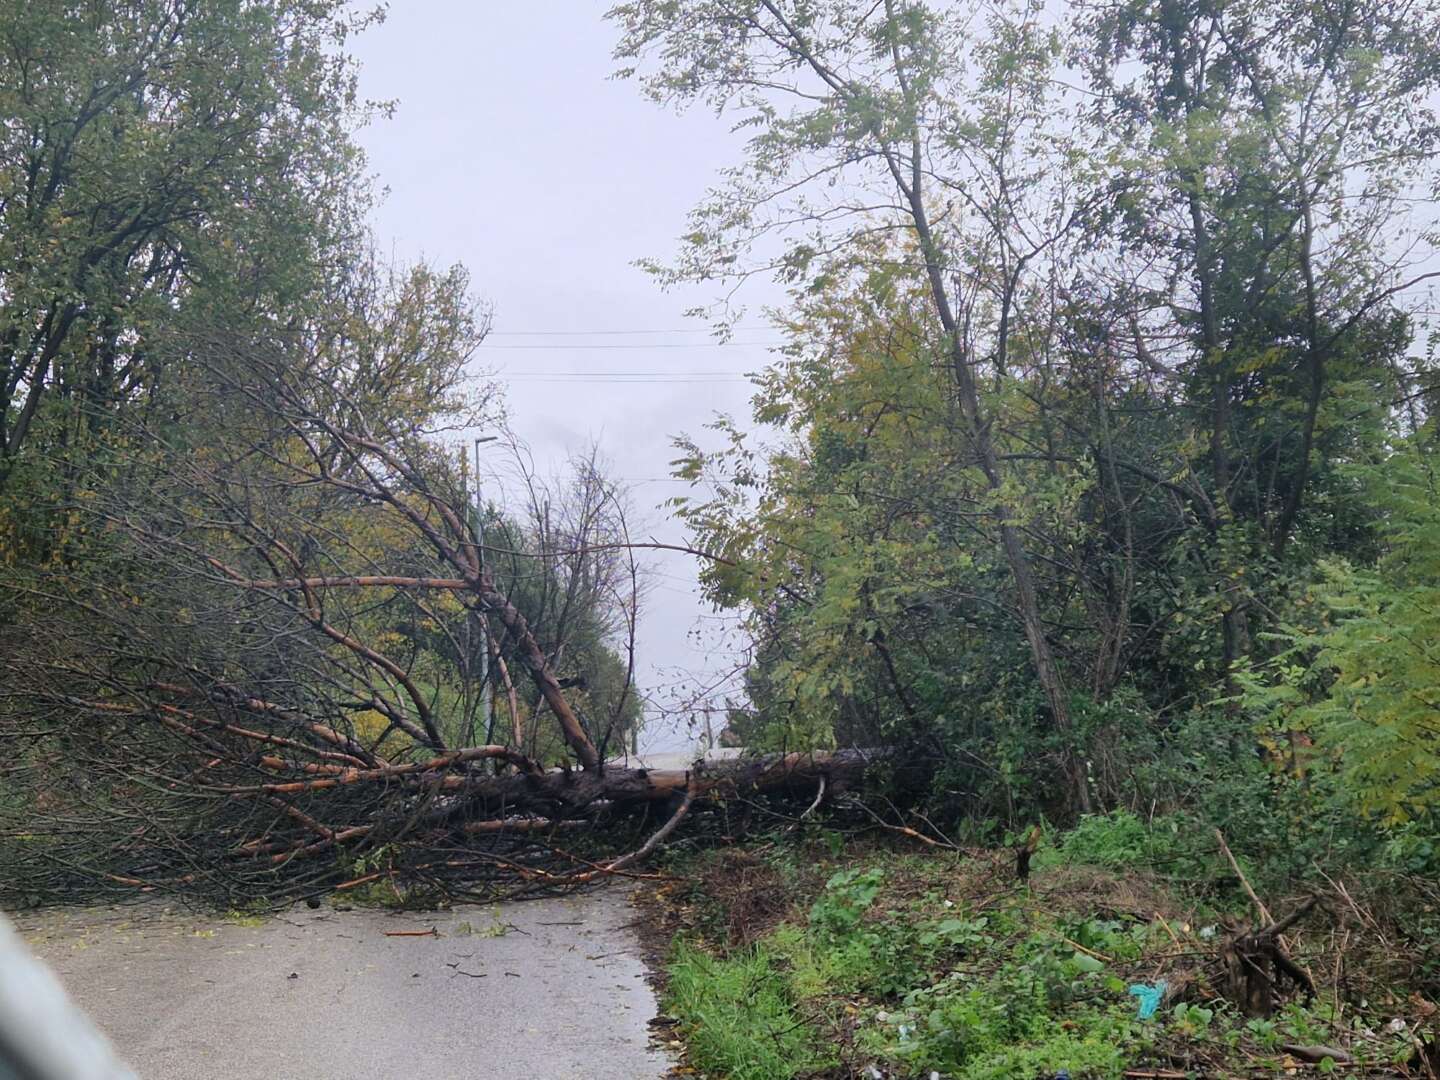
(552, 989)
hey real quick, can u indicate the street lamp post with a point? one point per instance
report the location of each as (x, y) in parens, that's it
(477, 522)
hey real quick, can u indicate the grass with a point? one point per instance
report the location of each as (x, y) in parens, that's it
(740, 1015)
(923, 965)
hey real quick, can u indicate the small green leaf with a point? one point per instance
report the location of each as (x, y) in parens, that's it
(1087, 963)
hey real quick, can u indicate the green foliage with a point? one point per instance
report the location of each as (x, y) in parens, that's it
(969, 995)
(847, 896)
(739, 1017)
(889, 972)
(159, 162)
(1355, 681)
(1117, 840)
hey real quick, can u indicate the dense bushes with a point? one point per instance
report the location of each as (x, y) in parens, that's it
(1098, 464)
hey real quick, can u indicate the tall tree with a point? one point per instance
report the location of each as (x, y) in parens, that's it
(861, 130)
(1270, 156)
(157, 157)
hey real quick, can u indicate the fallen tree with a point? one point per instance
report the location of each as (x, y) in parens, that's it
(248, 689)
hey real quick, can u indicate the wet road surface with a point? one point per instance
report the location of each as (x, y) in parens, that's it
(550, 989)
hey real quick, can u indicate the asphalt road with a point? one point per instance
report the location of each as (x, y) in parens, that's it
(549, 989)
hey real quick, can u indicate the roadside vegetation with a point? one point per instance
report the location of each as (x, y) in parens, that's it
(822, 958)
(1084, 534)
(1096, 484)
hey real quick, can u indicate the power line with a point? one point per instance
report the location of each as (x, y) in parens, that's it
(627, 382)
(659, 345)
(600, 333)
(607, 372)
(601, 379)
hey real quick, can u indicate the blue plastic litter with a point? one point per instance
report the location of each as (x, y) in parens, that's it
(1148, 997)
(1063, 1074)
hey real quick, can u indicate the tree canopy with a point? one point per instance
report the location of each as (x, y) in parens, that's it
(1105, 324)
(160, 160)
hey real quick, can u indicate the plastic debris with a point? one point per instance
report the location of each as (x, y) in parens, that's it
(1148, 997)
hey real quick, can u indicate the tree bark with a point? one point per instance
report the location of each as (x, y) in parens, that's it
(540, 672)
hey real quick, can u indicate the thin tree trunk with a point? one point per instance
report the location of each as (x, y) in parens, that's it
(1047, 671)
(540, 672)
(912, 189)
(497, 663)
(1315, 362)
(1235, 630)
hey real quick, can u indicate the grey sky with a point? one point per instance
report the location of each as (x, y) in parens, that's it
(513, 152)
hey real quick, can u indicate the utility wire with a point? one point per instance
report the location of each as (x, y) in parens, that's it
(626, 382)
(601, 379)
(659, 345)
(606, 333)
(606, 373)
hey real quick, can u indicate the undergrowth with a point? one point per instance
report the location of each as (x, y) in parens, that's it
(741, 1011)
(887, 964)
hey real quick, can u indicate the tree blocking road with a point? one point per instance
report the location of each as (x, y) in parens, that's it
(265, 708)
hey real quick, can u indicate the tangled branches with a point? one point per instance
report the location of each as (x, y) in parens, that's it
(265, 675)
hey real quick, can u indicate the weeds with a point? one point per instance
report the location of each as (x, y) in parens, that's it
(244, 917)
(922, 966)
(740, 1017)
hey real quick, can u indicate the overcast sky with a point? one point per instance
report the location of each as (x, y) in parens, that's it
(513, 152)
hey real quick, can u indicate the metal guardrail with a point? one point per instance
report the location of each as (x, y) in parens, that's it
(43, 1036)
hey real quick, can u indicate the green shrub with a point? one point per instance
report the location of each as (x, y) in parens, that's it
(739, 1016)
(847, 896)
(1118, 840)
(1044, 1007)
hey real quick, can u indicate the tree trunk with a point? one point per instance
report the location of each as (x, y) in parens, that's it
(1047, 672)
(544, 678)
